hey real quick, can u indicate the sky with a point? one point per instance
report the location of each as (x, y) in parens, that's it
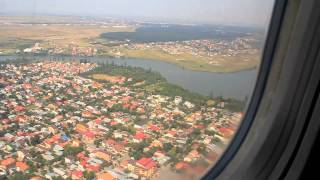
(226, 12)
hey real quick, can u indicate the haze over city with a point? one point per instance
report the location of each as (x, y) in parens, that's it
(231, 12)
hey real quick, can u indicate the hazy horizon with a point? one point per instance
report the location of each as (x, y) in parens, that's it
(229, 12)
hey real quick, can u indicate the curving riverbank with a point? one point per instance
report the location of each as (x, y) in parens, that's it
(236, 85)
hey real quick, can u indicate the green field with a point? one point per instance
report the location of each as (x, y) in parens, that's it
(225, 64)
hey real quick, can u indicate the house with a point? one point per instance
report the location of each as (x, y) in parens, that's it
(77, 174)
(105, 176)
(52, 129)
(35, 178)
(21, 166)
(117, 134)
(88, 136)
(119, 148)
(156, 143)
(20, 155)
(87, 114)
(48, 156)
(153, 127)
(19, 108)
(110, 142)
(102, 155)
(160, 157)
(171, 133)
(177, 100)
(93, 167)
(80, 128)
(58, 150)
(181, 165)
(75, 143)
(7, 162)
(50, 175)
(59, 171)
(139, 136)
(95, 161)
(189, 104)
(193, 155)
(226, 132)
(145, 167)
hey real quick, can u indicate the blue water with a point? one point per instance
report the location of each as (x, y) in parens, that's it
(232, 85)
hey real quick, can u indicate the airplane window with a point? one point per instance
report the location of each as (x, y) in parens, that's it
(124, 89)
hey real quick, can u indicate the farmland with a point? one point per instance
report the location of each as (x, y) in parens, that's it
(199, 48)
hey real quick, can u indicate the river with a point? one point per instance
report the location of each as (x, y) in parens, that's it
(231, 85)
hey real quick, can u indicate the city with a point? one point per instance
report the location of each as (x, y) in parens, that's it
(70, 120)
(159, 89)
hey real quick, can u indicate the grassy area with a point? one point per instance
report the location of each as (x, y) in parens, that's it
(59, 35)
(57, 32)
(221, 63)
(105, 77)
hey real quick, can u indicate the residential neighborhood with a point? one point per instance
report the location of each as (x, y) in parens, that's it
(56, 123)
(199, 48)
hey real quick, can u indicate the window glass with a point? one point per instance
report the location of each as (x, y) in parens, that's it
(123, 89)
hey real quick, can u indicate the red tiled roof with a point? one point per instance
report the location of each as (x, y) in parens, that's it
(154, 127)
(113, 123)
(8, 161)
(56, 137)
(110, 142)
(35, 178)
(159, 154)
(200, 126)
(140, 135)
(147, 163)
(81, 155)
(89, 134)
(31, 100)
(173, 133)
(226, 131)
(23, 166)
(98, 121)
(125, 119)
(81, 128)
(49, 141)
(141, 110)
(64, 144)
(83, 163)
(181, 165)
(19, 108)
(118, 147)
(126, 106)
(77, 173)
(22, 133)
(133, 106)
(26, 86)
(92, 167)
(105, 176)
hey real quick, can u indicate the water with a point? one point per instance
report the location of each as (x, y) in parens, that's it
(231, 85)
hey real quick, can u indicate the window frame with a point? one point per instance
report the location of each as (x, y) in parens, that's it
(278, 114)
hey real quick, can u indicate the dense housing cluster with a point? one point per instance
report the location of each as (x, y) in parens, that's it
(57, 123)
(200, 48)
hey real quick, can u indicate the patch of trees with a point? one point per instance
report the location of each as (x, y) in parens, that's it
(69, 150)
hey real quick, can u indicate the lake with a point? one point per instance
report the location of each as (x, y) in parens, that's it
(231, 85)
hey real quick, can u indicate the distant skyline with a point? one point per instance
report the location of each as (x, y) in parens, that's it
(226, 12)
